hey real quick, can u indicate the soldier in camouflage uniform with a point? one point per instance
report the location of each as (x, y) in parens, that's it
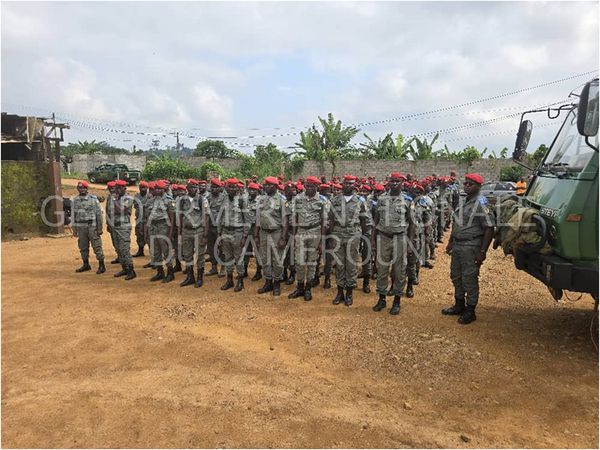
(252, 202)
(121, 208)
(233, 231)
(394, 225)
(433, 194)
(87, 227)
(309, 213)
(470, 238)
(178, 191)
(192, 219)
(365, 242)
(270, 234)
(160, 226)
(110, 186)
(325, 194)
(290, 191)
(416, 253)
(140, 201)
(215, 202)
(348, 218)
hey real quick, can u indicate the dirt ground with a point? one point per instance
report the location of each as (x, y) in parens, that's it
(93, 361)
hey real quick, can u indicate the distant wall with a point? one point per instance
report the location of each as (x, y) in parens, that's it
(25, 185)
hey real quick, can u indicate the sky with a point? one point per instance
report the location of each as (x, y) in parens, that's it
(247, 71)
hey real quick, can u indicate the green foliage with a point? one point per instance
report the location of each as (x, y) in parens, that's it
(269, 160)
(88, 148)
(214, 149)
(169, 168)
(211, 169)
(511, 173)
(422, 149)
(386, 148)
(468, 155)
(538, 155)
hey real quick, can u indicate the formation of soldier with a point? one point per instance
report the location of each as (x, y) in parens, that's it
(357, 226)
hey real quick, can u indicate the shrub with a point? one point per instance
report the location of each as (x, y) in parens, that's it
(511, 173)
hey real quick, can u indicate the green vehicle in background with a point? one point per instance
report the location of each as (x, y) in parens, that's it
(564, 192)
(109, 172)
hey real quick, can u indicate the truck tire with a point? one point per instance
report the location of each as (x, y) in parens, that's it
(92, 178)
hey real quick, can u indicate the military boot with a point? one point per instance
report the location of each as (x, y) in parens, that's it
(284, 277)
(366, 288)
(416, 280)
(146, 266)
(160, 274)
(316, 280)
(428, 265)
(268, 287)
(292, 278)
(170, 274)
(457, 309)
(468, 315)
(258, 275)
(130, 273)
(101, 267)
(222, 271)
(199, 278)
(276, 288)
(327, 282)
(139, 253)
(339, 298)
(240, 284)
(123, 271)
(177, 267)
(348, 300)
(189, 276)
(299, 292)
(410, 293)
(213, 270)
(228, 283)
(85, 266)
(115, 261)
(307, 293)
(381, 303)
(395, 306)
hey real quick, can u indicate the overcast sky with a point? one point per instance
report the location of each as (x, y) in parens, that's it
(226, 69)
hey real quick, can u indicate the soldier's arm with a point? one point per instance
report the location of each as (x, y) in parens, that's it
(98, 218)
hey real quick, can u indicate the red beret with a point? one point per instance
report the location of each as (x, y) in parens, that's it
(312, 180)
(324, 186)
(366, 187)
(160, 184)
(337, 186)
(111, 184)
(152, 185)
(349, 178)
(280, 177)
(216, 182)
(121, 183)
(232, 181)
(143, 184)
(272, 180)
(300, 186)
(475, 177)
(280, 187)
(406, 185)
(254, 186)
(192, 182)
(201, 182)
(418, 187)
(85, 184)
(379, 187)
(397, 176)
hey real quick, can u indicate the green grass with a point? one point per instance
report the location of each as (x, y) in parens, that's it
(73, 176)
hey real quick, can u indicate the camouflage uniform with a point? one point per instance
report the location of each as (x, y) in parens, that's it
(159, 224)
(271, 211)
(233, 230)
(121, 209)
(250, 214)
(191, 212)
(140, 202)
(87, 221)
(433, 235)
(470, 220)
(214, 205)
(109, 223)
(308, 215)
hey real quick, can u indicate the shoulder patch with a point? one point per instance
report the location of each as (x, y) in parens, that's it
(483, 200)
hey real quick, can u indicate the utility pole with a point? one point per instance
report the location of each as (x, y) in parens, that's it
(177, 136)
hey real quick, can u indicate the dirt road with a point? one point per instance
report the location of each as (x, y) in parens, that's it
(93, 361)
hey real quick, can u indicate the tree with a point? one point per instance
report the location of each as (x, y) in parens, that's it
(386, 148)
(214, 149)
(538, 155)
(421, 149)
(511, 173)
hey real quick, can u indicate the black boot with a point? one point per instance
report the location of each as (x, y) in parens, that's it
(299, 292)
(199, 278)
(101, 267)
(268, 287)
(457, 309)
(366, 288)
(339, 298)
(123, 271)
(170, 274)
(348, 300)
(381, 303)
(222, 272)
(284, 277)
(410, 293)
(416, 280)
(307, 293)
(146, 266)
(240, 284)
(292, 278)
(395, 306)
(130, 273)
(276, 288)
(160, 274)
(258, 275)
(316, 280)
(140, 252)
(213, 270)
(327, 282)
(85, 266)
(468, 315)
(189, 276)
(177, 267)
(115, 261)
(427, 265)
(228, 283)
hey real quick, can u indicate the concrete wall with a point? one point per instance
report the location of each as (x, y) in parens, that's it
(25, 185)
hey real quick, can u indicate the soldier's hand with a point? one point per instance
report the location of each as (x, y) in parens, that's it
(74, 232)
(449, 248)
(281, 243)
(100, 232)
(480, 258)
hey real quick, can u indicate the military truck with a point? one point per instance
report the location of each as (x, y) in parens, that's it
(109, 172)
(564, 196)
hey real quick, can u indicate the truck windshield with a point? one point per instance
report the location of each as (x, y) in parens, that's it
(569, 153)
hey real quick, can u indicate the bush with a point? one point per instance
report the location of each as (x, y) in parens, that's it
(169, 168)
(511, 173)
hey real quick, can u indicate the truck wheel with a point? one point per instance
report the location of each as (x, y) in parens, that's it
(132, 182)
(92, 179)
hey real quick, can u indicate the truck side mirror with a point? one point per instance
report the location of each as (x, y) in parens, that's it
(587, 111)
(522, 140)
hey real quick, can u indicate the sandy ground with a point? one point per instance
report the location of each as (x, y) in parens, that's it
(93, 361)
